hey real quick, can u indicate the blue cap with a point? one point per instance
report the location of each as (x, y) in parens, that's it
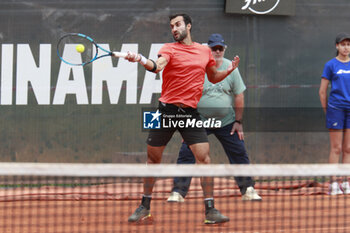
(216, 39)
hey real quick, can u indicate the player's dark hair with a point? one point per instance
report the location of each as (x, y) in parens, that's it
(187, 18)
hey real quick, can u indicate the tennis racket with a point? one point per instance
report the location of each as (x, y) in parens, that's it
(90, 51)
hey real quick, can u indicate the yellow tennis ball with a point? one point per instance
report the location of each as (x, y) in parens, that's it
(80, 48)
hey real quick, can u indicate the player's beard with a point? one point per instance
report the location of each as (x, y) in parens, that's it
(181, 36)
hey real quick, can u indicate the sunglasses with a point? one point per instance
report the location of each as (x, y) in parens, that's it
(220, 48)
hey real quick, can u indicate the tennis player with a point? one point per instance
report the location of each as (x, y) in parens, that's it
(185, 63)
(216, 102)
(337, 73)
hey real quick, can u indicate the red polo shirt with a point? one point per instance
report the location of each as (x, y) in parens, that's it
(183, 76)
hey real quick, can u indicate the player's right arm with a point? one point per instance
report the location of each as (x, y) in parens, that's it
(323, 93)
(149, 64)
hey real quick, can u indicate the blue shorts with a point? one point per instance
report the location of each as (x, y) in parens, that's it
(337, 118)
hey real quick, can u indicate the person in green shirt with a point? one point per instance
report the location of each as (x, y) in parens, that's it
(217, 102)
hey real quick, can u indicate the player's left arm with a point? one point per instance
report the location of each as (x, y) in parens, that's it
(239, 106)
(216, 76)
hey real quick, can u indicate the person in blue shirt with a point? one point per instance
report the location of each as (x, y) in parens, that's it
(337, 107)
(216, 102)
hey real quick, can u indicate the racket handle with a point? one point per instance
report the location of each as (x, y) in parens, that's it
(119, 54)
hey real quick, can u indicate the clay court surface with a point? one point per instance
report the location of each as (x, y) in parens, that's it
(303, 206)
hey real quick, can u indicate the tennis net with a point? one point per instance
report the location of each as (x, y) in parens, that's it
(36, 197)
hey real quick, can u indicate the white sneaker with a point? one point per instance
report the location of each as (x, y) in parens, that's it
(175, 197)
(334, 189)
(345, 187)
(251, 195)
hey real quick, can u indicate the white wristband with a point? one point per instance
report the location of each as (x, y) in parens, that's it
(143, 60)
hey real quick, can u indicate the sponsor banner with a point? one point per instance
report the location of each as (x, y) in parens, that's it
(22, 75)
(261, 7)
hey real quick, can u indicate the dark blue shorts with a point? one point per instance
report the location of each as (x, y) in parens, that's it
(337, 118)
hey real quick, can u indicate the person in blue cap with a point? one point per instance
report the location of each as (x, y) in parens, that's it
(217, 102)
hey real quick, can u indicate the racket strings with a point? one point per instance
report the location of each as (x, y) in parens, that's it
(67, 50)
